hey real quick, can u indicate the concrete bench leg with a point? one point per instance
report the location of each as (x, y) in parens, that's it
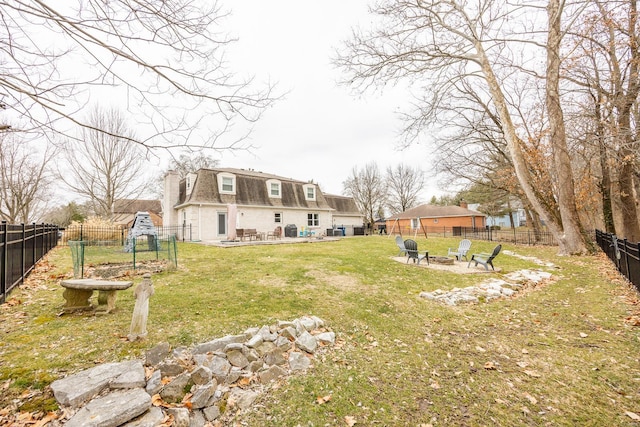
(77, 299)
(106, 301)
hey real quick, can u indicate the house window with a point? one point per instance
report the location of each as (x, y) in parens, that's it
(277, 218)
(310, 191)
(414, 222)
(227, 184)
(275, 189)
(313, 220)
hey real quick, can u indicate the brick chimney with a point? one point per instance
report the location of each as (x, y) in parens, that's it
(463, 204)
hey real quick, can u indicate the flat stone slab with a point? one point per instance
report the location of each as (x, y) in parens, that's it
(78, 388)
(78, 291)
(113, 409)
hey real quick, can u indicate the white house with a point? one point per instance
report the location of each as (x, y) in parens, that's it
(262, 201)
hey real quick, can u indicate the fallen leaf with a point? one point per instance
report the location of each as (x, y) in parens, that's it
(525, 351)
(49, 417)
(583, 335)
(489, 366)
(323, 399)
(435, 385)
(531, 399)
(480, 349)
(632, 415)
(532, 373)
(522, 364)
(350, 421)
(244, 381)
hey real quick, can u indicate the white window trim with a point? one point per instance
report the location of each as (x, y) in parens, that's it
(270, 182)
(221, 177)
(306, 191)
(314, 218)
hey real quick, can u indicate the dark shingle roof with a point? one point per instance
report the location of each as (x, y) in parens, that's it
(342, 204)
(251, 189)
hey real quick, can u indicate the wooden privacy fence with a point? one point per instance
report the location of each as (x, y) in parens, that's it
(21, 247)
(625, 255)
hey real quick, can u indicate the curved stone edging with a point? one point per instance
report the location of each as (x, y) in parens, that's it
(191, 386)
(488, 290)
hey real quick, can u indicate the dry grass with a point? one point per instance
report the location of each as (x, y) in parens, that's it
(564, 353)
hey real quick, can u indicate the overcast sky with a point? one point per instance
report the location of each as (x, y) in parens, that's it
(320, 131)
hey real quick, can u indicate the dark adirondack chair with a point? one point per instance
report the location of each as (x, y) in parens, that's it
(485, 259)
(412, 252)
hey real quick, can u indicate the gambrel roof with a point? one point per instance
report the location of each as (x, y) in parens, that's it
(251, 189)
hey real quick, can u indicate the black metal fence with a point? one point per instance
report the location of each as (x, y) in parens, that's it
(624, 254)
(519, 237)
(21, 247)
(117, 235)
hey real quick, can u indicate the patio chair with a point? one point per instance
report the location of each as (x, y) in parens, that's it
(400, 244)
(485, 259)
(412, 252)
(275, 234)
(463, 248)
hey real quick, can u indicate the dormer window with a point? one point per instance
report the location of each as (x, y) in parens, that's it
(227, 183)
(274, 188)
(189, 182)
(310, 191)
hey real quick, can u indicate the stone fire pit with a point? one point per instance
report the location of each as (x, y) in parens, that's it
(441, 260)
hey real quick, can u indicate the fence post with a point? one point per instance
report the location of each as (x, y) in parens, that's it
(23, 252)
(3, 263)
(35, 241)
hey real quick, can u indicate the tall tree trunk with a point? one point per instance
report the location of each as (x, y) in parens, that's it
(605, 170)
(628, 201)
(574, 240)
(514, 145)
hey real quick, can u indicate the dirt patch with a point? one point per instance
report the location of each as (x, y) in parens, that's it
(458, 267)
(341, 281)
(114, 271)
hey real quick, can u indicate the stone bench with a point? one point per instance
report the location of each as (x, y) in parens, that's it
(78, 291)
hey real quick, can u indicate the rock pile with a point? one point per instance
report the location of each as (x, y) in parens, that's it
(488, 290)
(191, 386)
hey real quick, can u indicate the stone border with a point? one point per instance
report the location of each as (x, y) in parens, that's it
(209, 382)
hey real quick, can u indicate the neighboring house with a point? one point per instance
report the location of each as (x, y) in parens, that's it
(504, 221)
(435, 216)
(124, 211)
(263, 202)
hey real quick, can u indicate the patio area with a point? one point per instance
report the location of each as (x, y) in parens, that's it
(458, 267)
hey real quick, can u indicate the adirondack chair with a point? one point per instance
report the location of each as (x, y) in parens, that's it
(275, 234)
(412, 252)
(485, 259)
(463, 248)
(400, 244)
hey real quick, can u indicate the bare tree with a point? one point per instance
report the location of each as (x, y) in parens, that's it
(104, 167)
(368, 189)
(25, 179)
(190, 163)
(184, 164)
(163, 60)
(605, 64)
(404, 184)
(449, 43)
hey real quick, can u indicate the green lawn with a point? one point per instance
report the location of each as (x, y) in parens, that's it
(558, 354)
